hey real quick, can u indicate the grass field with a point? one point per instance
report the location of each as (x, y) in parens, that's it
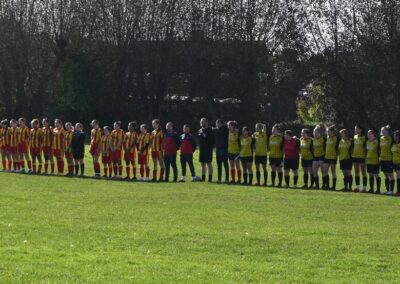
(55, 229)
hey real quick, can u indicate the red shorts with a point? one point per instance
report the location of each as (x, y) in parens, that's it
(116, 155)
(47, 150)
(58, 153)
(35, 152)
(106, 159)
(143, 159)
(129, 157)
(5, 148)
(23, 148)
(94, 149)
(68, 155)
(157, 155)
(13, 149)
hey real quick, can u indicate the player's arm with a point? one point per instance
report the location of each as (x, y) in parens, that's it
(194, 146)
(99, 142)
(110, 144)
(337, 143)
(379, 147)
(177, 141)
(351, 147)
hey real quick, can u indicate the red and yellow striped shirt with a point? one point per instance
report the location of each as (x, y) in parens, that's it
(156, 140)
(95, 136)
(25, 131)
(36, 136)
(105, 145)
(1, 137)
(67, 140)
(117, 138)
(58, 139)
(130, 142)
(15, 137)
(47, 136)
(6, 137)
(143, 140)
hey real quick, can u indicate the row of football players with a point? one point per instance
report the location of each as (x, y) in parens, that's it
(235, 149)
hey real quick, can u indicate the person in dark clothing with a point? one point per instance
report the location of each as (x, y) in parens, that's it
(78, 148)
(221, 133)
(188, 147)
(206, 144)
(171, 143)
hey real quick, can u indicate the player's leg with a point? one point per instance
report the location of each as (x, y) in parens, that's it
(250, 171)
(334, 176)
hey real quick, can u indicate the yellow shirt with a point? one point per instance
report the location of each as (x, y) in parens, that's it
(67, 140)
(319, 147)
(359, 147)
(331, 148)
(344, 149)
(246, 146)
(25, 133)
(261, 143)
(386, 143)
(305, 149)
(233, 142)
(396, 153)
(275, 146)
(373, 152)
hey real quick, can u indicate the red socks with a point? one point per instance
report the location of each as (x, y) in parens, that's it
(134, 171)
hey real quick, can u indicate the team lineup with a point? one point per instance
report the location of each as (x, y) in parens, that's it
(45, 148)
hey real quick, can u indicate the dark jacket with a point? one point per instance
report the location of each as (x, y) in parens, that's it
(78, 142)
(221, 137)
(206, 139)
(188, 144)
(171, 143)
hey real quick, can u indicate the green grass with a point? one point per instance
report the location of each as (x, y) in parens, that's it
(55, 229)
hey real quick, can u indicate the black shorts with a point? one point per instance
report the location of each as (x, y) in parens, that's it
(319, 159)
(277, 162)
(306, 163)
(260, 160)
(396, 167)
(387, 166)
(206, 155)
(233, 157)
(373, 169)
(330, 161)
(78, 155)
(291, 164)
(359, 161)
(246, 160)
(346, 165)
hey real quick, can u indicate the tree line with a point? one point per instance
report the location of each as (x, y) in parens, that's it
(308, 61)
